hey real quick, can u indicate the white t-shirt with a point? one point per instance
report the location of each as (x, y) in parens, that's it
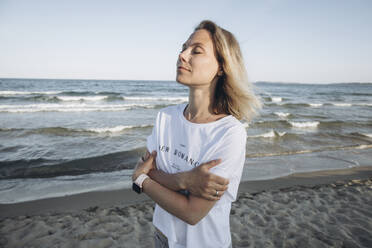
(182, 145)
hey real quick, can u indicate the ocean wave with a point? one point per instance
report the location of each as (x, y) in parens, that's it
(342, 104)
(4, 129)
(148, 98)
(254, 155)
(297, 105)
(282, 114)
(363, 147)
(305, 124)
(284, 153)
(364, 104)
(312, 116)
(83, 93)
(63, 98)
(290, 105)
(64, 131)
(347, 93)
(43, 168)
(276, 99)
(81, 107)
(88, 97)
(338, 123)
(312, 122)
(272, 124)
(116, 129)
(369, 135)
(82, 98)
(315, 105)
(8, 92)
(360, 94)
(362, 136)
(270, 134)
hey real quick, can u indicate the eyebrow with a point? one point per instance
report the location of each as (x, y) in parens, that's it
(195, 44)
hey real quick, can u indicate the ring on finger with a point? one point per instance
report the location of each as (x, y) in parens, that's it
(216, 195)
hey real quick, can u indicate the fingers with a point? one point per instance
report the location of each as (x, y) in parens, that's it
(217, 182)
(212, 196)
(210, 192)
(145, 156)
(151, 156)
(212, 163)
(220, 180)
(219, 187)
(148, 155)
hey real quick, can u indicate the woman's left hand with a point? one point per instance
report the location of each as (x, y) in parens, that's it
(144, 165)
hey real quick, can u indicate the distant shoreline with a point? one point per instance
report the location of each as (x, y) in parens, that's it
(171, 81)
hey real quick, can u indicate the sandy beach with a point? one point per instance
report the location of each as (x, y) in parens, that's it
(317, 209)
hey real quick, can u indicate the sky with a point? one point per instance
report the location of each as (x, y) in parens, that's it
(303, 41)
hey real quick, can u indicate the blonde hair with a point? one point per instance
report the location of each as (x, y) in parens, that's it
(233, 94)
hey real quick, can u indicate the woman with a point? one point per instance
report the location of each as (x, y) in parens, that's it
(198, 140)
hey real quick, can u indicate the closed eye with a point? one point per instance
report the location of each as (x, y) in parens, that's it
(197, 50)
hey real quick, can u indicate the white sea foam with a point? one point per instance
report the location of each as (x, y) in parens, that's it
(282, 114)
(148, 98)
(81, 107)
(367, 135)
(342, 104)
(363, 147)
(116, 129)
(316, 105)
(305, 124)
(276, 99)
(270, 134)
(82, 98)
(8, 92)
(364, 104)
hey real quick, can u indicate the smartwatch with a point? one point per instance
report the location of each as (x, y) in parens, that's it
(137, 184)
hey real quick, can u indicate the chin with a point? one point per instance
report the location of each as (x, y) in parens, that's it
(181, 81)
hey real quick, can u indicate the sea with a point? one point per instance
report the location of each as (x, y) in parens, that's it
(62, 137)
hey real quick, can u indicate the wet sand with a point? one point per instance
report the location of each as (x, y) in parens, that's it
(317, 209)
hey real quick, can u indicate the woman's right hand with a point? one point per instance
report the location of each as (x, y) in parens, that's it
(201, 182)
(144, 165)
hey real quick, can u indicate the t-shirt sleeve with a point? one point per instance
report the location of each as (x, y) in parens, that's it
(232, 153)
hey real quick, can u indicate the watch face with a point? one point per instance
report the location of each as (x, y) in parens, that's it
(136, 188)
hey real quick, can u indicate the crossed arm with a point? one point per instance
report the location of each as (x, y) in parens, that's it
(161, 187)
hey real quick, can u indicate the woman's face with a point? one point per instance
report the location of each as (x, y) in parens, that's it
(197, 64)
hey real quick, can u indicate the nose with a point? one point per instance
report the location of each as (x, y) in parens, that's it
(183, 56)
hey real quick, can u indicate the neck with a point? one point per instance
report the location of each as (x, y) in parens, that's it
(200, 103)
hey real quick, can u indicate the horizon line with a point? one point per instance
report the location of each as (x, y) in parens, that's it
(258, 81)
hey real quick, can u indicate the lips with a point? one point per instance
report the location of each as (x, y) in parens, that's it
(182, 68)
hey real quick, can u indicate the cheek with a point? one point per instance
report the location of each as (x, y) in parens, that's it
(205, 68)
